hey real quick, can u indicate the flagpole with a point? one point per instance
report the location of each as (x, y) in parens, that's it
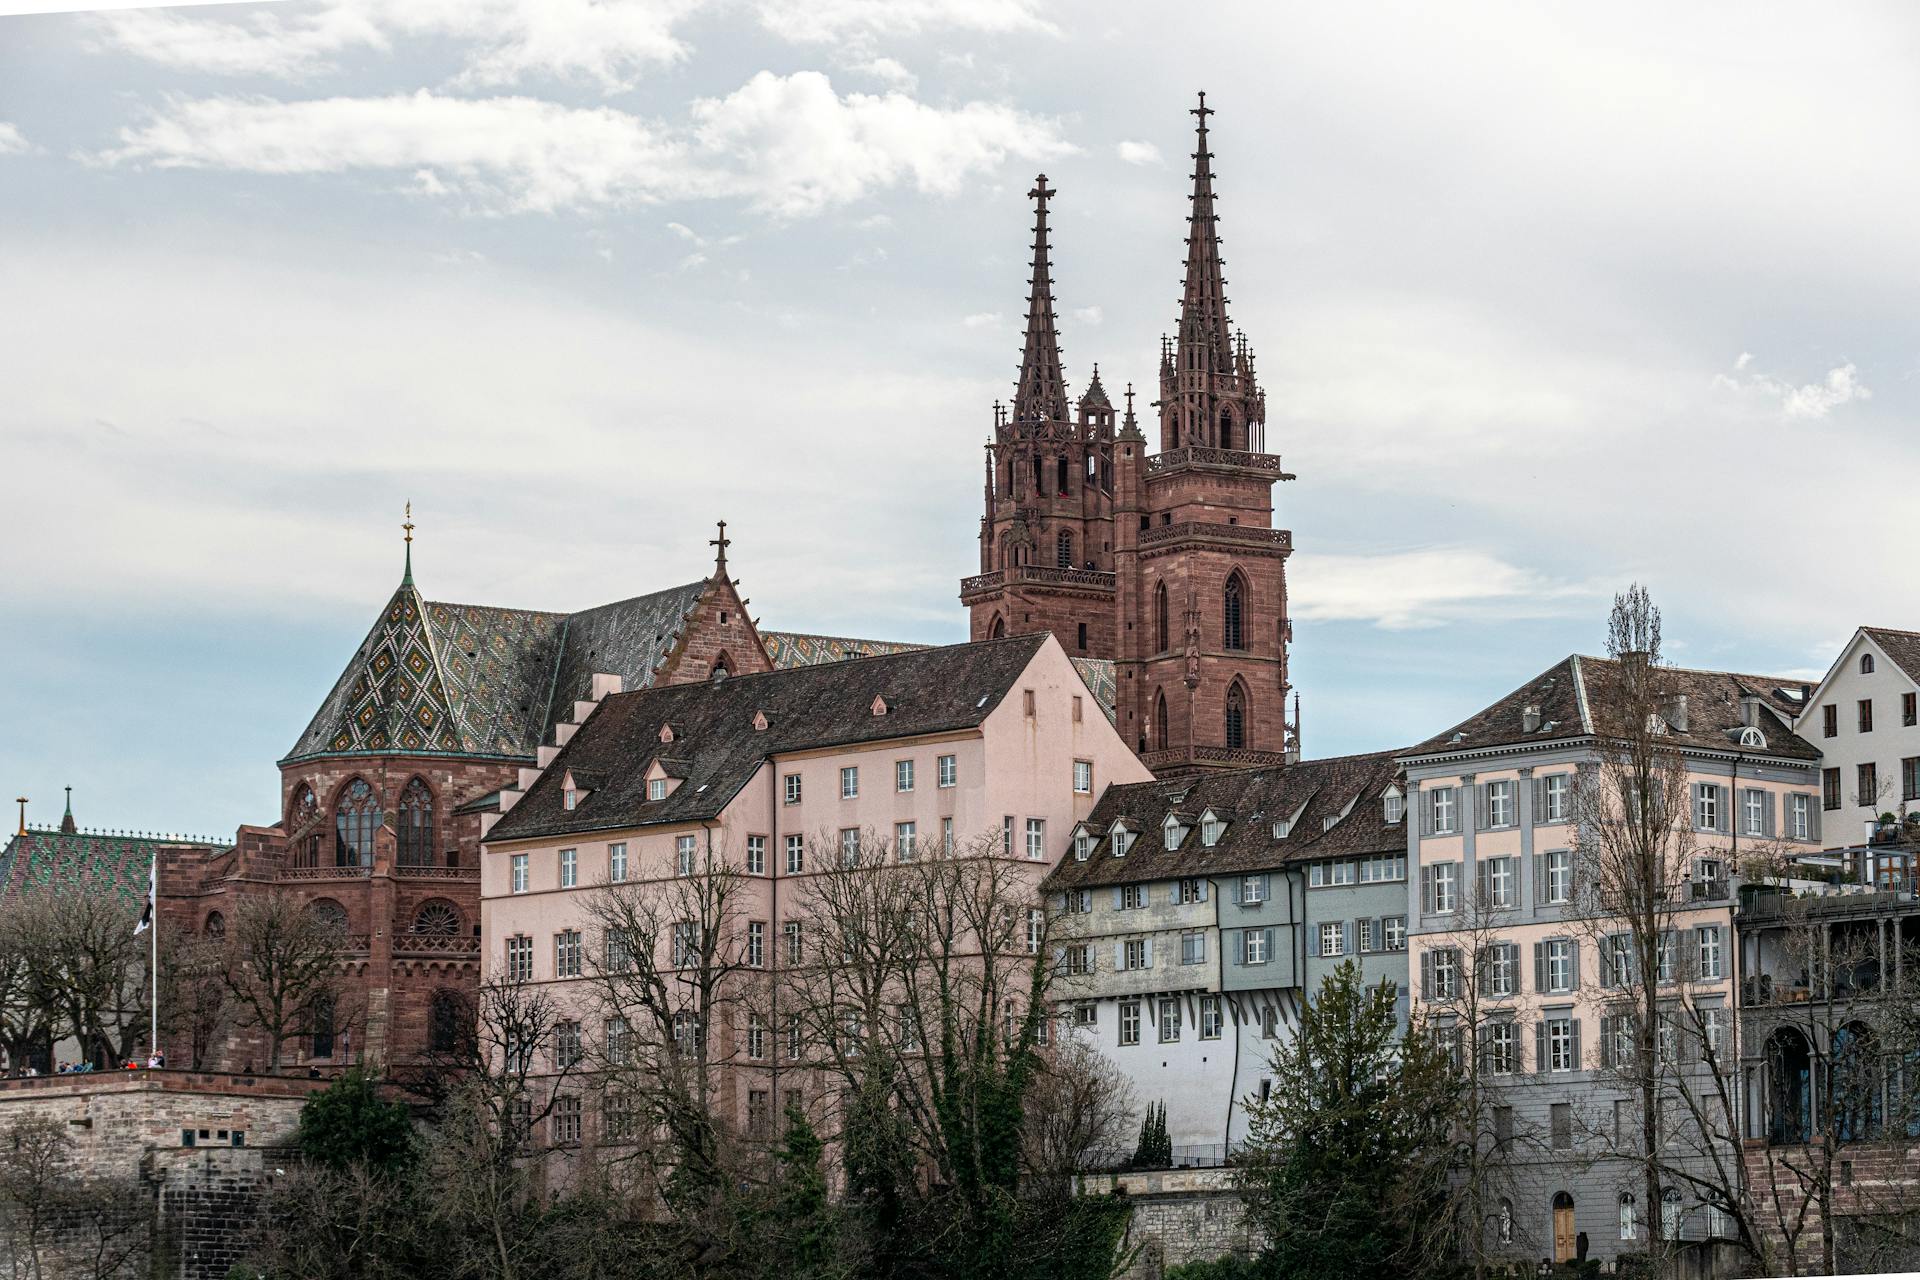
(153, 1002)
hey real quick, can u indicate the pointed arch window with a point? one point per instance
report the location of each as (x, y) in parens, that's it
(1235, 611)
(447, 1019)
(355, 819)
(1160, 618)
(1063, 550)
(1236, 716)
(323, 1026)
(999, 627)
(1160, 722)
(416, 825)
(304, 829)
(1061, 476)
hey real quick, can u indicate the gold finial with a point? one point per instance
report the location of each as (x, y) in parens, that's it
(407, 524)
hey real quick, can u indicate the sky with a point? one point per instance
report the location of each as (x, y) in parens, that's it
(1546, 300)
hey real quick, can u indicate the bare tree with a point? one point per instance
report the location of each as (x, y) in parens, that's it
(281, 967)
(88, 970)
(1078, 1111)
(57, 1221)
(194, 1005)
(27, 1018)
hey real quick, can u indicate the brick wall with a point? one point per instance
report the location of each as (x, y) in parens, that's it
(1871, 1180)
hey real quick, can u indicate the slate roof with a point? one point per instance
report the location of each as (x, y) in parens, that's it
(1902, 646)
(437, 677)
(799, 649)
(83, 860)
(1563, 694)
(1347, 789)
(716, 748)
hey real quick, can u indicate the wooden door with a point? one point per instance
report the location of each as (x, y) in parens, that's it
(1563, 1233)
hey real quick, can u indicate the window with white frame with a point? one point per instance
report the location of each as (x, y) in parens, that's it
(1706, 807)
(1559, 964)
(1255, 946)
(792, 785)
(1503, 881)
(756, 1039)
(1446, 888)
(1363, 939)
(1753, 811)
(1393, 806)
(656, 788)
(1503, 1043)
(1077, 901)
(1707, 940)
(1557, 796)
(1393, 933)
(1713, 1030)
(1036, 929)
(1211, 829)
(684, 848)
(1445, 972)
(1559, 875)
(1210, 1021)
(1617, 953)
(1083, 777)
(849, 781)
(1383, 867)
(1006, 834)
(1121, 839)
(1503, 968)
(796, 854)
(756, 855)
(1085, 1014)
(796, 942)
(1133, 897)
(684, 939)
(1669, 953)
(566, 953)
(1253, 890)
(1501, 811)
(1443, 811)
(569, 798)
(905, 836)
(946, 770)
(1670, 1213)
(567, 1049)
(519, 951)
(518, 869)
(1189, 891)
(756, 944)
(1169, 1020)
(903, 775)
(569, 868)
(1036, 839)
(849, 846)
(1801, 809)
(1082, 845)
(1079, 958)
(617, 861)
(1560, 1055)
(1629, 1217)
(1172, 832)
(1332, 938)
(1129, 1022)
(946, 835)
(1133, 953)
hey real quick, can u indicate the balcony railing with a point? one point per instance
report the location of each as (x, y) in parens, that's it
(325, 873)
(437, 873)
(428, 944)
(1043, 575)
(1278, 539)
(1211, 755)
(1204, 456)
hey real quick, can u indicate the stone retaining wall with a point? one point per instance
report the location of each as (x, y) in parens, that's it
(1179, 1216)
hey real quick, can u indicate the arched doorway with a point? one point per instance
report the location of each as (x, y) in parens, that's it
(1790, 1075)
(1564, 1235)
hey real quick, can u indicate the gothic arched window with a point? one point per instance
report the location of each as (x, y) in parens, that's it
(416, 825)
(722, 667)
(1226, 428)
(437, 918)
(1236, 716)
(323, 1027)
(999, 627)
(1235, 632)
(1160, 618)
(355, 819)
(1160, 722)
(304, 829)
(1061, 477)
(1063, 550)
(216, 926)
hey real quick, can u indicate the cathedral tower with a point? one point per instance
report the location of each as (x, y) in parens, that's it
(1046, 539)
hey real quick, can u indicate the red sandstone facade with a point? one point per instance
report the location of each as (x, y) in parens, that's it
(1167, 565)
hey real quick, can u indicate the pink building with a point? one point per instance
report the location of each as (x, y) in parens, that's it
(771, 775)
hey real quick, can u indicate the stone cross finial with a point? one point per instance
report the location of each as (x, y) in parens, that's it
(722, 542)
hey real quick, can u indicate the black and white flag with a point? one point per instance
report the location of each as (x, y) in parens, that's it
(146, 910)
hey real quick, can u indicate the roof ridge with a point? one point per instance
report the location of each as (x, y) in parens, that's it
(496, 608)
(1717, 671)
(1032, 637)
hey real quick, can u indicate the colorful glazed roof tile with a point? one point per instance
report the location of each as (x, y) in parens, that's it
(798, 649)
(1098, 675)
(439, 678)
(92, 861)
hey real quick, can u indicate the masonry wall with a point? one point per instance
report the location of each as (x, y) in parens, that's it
(1179, 1216)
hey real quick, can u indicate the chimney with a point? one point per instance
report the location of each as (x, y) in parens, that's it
(1750, 711)
(1676, 712)
(1529, 719)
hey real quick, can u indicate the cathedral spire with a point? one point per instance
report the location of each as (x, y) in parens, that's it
(1203, 339)
(407, 525)
(1042, 390)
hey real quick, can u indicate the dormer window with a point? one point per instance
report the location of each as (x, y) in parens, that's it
(1172, 833)
(1394, 805)
(1282, 827)
(666, 733)
(1211, 828)
(879, 705)
(656, 788)
(569, 798)
(1121, 838)
(1082, 844)
(1752, 737)
(759, 722)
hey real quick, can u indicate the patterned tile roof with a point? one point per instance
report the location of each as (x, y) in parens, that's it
(437, 677)
(1336, 808)
(717, 748)
(81, 860)
(1097, 673)
(798, 649)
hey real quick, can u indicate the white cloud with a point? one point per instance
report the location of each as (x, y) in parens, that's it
(837, 21)
(609, 42)
(12, 141)
(1089, 315)
(1841, 386)
(893, 73)
(786, 144)
(981, 320)
(1427, 588)
(1141, 153)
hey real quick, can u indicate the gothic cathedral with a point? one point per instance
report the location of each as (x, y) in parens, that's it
(1167, 564)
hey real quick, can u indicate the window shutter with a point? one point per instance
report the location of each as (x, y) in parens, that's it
(1539, 800)
(1573, 960)
(1813, 817)
(1766, 814)
(1482, 879)
(1426, 975)
(1266, 940)
(1426, 890)
(1149, 950)
(1119, 956)
(1606, 1041)
(1346, 936)
(1238, 895)
(1479, 794)
(1203, 890)
(1578, 1062)
(1540, 1046)
(1313, 940)
(1726, 956)
(1693, 811)
(1725, 814)
(1483, 973)
(1539, 878)
(1119, 896)
(1425, 805)
(1539, 966)
(1266, 888)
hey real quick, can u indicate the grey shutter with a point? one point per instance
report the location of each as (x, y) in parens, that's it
(1482, 973)
(1477, 796)
(1726, 955)
(1266, 887)
(1203, 890)
(1767, 810)
(1424, 803)
(1540, 1046)
(1725, 815)
(1573, 963)
(1539, 966)
(1426, 890)
(1313, 940)
(1693, 809)
(1539, 878)
(1578, 1062)
(1481, 879)
(1539, 801)
(1149, 955)
(1238, 896)
(1119, 896)
(1119, 955)
(1813, 816)
(1266, 940)
(1606, 1041)
(1426, 975)
(1346, 936)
